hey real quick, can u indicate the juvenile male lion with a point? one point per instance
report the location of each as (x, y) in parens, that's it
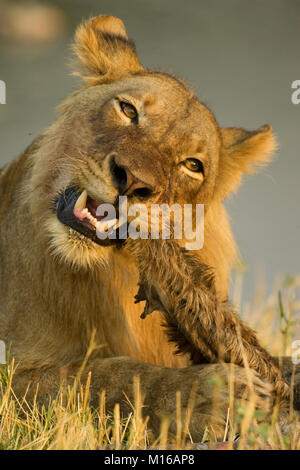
(125, 131)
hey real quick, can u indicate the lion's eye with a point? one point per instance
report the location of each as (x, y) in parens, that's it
(193, 164)
(129, 110)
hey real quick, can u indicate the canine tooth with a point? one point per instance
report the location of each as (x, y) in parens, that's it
(100, 227)
(111, 224)
(81, 201)
(106, 225)
(117, 225)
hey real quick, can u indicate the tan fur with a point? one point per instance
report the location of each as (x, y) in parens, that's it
(56, 287)
(241, 151)
(115, 59)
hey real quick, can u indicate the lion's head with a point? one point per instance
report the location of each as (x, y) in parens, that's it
(135, 132)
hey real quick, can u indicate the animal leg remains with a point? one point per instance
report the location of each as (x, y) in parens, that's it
(201, 325)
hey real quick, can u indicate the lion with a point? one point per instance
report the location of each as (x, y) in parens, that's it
(125, 131)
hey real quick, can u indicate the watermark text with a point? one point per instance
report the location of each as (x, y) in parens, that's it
(2, 352)
(2, 92)
(159, 221)
(296, 94)
(296, 352)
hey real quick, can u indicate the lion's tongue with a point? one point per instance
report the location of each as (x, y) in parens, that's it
(92, 207)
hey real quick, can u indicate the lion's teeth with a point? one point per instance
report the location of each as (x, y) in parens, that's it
(106, 225)
(112, 224)
(118, 223)
(81, 201)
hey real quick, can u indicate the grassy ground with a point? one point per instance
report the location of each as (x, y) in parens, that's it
(72, 424)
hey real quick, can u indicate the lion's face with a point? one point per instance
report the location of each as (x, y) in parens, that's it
(146, 137)
(133, 133)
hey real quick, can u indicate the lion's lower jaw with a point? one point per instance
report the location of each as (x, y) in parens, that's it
(69, 246)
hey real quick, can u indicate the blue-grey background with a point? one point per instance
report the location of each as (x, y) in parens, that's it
(241, 58)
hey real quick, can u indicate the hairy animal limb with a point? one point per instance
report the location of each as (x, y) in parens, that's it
(207, 401)
(173, 281)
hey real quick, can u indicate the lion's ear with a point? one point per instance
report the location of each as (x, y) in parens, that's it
(104, 50)
(241, 152)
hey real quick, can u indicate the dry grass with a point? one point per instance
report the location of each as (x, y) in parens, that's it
(72, 424)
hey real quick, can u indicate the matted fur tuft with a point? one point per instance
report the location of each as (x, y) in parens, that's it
(208, 329)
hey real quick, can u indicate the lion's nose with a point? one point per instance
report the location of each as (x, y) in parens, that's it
(127, 183)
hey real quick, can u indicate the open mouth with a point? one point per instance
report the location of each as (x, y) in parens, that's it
(79, 212)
